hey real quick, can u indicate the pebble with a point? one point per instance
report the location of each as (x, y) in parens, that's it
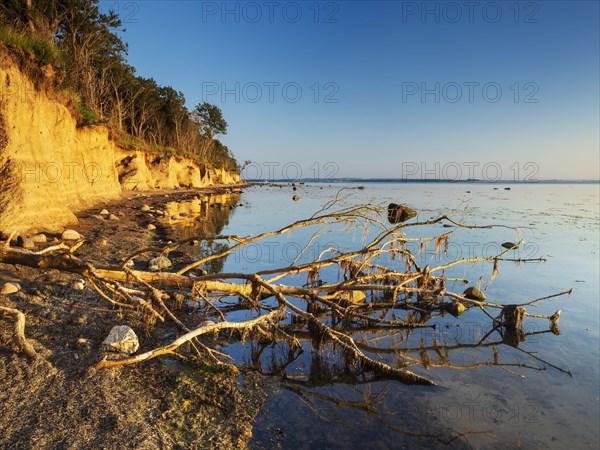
(104, 212)
(145, 208)
(70, 235)
(10, 288)
(151, 227)
(79, 285)
(39, 238)
(161, 262)
(113, 217)
(296, 198)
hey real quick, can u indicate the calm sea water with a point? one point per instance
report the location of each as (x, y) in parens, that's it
(321, 404)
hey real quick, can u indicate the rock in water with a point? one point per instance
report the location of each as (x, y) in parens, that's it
(400, 213)
(10, 288)
(474, 293)
(509, 245)
(455, 308)
(25, 242)
(121, 339)
(161, 262)
(70, 235)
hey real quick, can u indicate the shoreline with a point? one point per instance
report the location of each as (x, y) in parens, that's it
(144, 406)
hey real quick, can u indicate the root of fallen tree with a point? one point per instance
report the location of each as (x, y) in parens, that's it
(379, 286)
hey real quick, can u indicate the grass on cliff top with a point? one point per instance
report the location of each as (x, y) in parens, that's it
(45, 52)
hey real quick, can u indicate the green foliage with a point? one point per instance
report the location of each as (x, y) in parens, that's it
(89, 117)
(45, 52)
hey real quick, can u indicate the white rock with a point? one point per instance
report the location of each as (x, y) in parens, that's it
(79, 285)
(70, 235)
(122, 339)
(104, 212)
(161, 262)
(10, 288)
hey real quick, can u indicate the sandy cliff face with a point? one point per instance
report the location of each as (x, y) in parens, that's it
(50, 168)
(142, 171)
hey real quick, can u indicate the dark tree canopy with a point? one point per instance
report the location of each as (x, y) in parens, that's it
(107, 89)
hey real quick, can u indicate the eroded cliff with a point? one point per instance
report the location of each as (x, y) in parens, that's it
(50, 167)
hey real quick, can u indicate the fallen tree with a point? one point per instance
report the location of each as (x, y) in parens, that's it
(380, 286)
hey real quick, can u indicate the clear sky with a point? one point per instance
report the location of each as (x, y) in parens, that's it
(386, 89)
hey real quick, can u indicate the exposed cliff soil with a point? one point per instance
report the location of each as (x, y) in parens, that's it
(50, 167)
(58, 403)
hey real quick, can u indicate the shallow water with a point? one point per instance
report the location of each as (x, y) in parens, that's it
(323, 405)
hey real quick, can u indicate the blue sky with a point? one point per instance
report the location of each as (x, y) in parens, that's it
(386, 89)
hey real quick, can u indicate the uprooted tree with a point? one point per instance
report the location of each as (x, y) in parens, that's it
(369, 292)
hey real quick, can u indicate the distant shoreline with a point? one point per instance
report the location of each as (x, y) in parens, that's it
(401, 180)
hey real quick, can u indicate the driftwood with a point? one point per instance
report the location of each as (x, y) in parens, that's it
(19, 331)
(370, 295)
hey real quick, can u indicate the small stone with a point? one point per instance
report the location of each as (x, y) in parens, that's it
(455, 308)
(151, 227)
(25, 242)
(510, 245)
(121, 339)
(79, 285)
(361, 188)
(98, 216)
(10, 288)
(474, 293)
(161, 262)
(39, 238)
(507, 189)
(104, 212)
(145, 208)
(183, 214)
(70, 235)
(296, 198)
(113, 217)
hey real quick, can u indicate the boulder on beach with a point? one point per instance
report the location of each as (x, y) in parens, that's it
(121, 339)
(398, 213)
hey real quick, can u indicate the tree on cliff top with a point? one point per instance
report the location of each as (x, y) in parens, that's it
(97, 73)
